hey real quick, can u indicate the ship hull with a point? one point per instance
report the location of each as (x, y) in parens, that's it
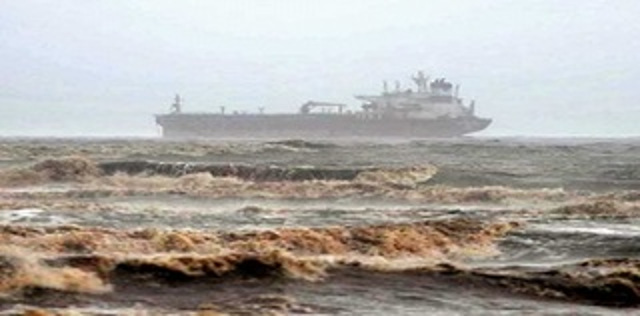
(185, 125)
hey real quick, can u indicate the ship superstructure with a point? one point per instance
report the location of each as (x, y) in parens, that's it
(431, 100)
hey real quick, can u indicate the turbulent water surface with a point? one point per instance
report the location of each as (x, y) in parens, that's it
(452, 227)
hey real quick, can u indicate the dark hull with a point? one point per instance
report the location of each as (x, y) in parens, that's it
(311, 126)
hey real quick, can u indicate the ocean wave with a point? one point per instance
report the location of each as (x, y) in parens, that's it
(408, 176)
(599, 208)
(20, 270)
(433, 239)
(609, 282)
(86, 178)
(20, 151)
(245, 172)
(190, 266)
(71, 169)
(15, 203)
(303, 144)
(203, 185)
(258, 305)
(81, 169)
(64, 283)
(422, 251)
(605, 282)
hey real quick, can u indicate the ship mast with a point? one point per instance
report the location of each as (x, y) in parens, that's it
(421, 81)
(176, 107)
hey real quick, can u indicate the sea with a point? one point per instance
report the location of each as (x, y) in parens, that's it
(464, 226)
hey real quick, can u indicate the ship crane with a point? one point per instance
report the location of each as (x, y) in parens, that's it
(309, 105)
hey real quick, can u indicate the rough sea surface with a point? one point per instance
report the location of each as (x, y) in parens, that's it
(466, 226)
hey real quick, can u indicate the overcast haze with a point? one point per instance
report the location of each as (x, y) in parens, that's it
(101, 68)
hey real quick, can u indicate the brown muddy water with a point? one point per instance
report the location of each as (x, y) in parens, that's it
(451, 227)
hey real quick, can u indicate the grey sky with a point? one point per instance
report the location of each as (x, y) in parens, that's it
(542, 67)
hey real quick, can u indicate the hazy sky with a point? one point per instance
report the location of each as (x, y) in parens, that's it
(537, 67)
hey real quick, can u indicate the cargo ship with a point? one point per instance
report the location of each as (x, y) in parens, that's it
(434, 109)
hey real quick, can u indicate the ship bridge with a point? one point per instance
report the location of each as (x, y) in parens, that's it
(430, 99)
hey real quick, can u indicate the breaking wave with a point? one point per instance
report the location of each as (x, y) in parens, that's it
(433, 239)
(90, 179)
(92, 260)
(72, 259)
(609, 282)
(20, 270)
(185, 267)
(302, 144)
(512, 227)
(245, 172)
(401, 176)
(600, 208)
(51, 170)
(77, 169)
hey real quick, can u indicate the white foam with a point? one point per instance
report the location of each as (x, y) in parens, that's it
(32, 215)
(605, 229)
(22, 215)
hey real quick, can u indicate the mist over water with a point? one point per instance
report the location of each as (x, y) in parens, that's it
(538, 68)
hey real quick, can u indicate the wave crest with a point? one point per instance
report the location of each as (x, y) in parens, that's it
(51, 170)
(20, 270)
